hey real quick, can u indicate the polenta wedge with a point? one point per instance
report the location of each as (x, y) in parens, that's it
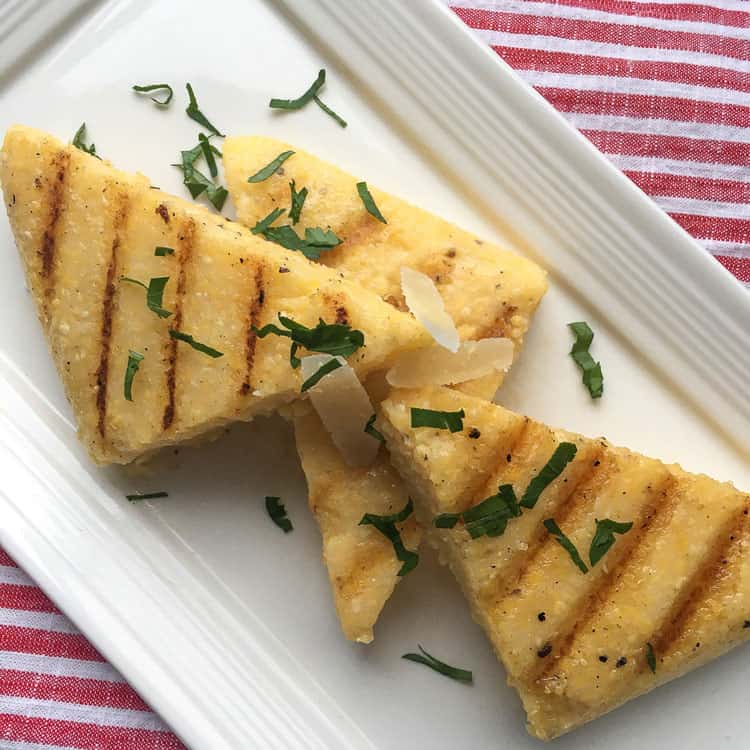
(666, 591)
(81, 226)
(361, 563)
(487, 291)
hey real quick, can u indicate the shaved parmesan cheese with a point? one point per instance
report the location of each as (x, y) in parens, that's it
(344, 407)
(425, 303)
(437, 366)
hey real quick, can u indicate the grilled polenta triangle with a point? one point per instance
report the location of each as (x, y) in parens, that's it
(668, 594)
(81, 225)
(488, 292)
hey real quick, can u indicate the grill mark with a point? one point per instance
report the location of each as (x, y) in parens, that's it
(186, 241)
(659, 513)
(55, 195)
(628, 545)
(730, 537)
(108, 304)
(371, 558)
(359, 576)
(485, 490)
(565, 505)
(256, 306)
(355, 232)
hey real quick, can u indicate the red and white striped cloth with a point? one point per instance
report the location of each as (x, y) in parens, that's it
(662, 88)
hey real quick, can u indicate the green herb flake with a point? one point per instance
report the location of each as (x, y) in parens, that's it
(165, 87)
(335, 339)
(134, 362)
(386, 525)
(565, 543)
(369, 202)
(262, 226)
(322, 371)
(208, 154)
(441, 420)
(300, 101)
(604, 537)
(154, 293)
(194, 113)
(146, 496)
(455, 673)
(372, 431)
(271, 168)
(80, 143)
(316, 240)
(339, 119)
(298, 200)
(162, 251)
(277, 512)
(488, 518)
(188, 339)
(563, 455)
(196, 182)
(651, 658)
(592, 371)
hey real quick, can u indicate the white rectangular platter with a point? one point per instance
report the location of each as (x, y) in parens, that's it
(224, 624)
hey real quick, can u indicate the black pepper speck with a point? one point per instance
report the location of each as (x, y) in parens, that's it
(541, 617)
(546, 650)
(603, 658)
(621, 662)
(474, 433)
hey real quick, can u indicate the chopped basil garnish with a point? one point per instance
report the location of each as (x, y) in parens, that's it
(336, 339)
(134, 362)
(196, 182)
(371, 430)
(563, 455)
(310, 95)
(604, 537)
(488, 518)
(369, 202)
(322, 371)
(592, 371)
(455, 673)
(277, 511)
(265, 172)
(298, 200)
(262, 226)
(79, 142)
(315, 242)
(339, 119)
(651, 658)
(208, 154)
(491, 516)
(157, 87)
(300, 101)
(194, 113)
(146, 496)
(154, 293)
(161, 251)
(565, 543)
(386, 525)
(188, 339)
(441, 420)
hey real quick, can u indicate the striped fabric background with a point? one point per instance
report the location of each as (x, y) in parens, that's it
(662, 88)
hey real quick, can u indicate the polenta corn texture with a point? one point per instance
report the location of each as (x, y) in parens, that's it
(670, 594)
(81, 225)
